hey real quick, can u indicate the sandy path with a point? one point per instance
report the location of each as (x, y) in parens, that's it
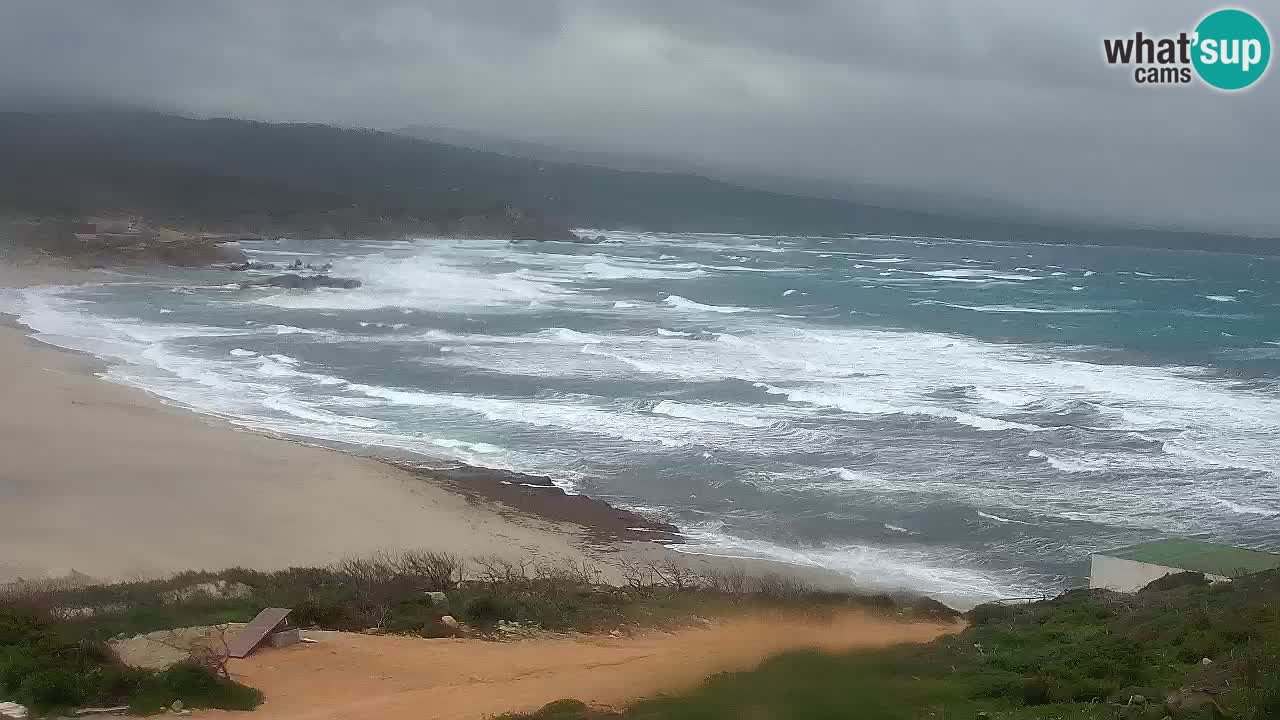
(353, 677)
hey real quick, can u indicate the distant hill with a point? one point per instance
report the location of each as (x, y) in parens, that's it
(227, 171)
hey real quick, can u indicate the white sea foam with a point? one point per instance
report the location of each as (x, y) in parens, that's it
(620, 270)
(566, 415)
(1247, 509)
(479, 447)
(432, 279)
(934, 572)
(292, 330)
(970, 273)
(683, 303)
(1000, 519)
(1019, 309)
(299, 409)
(1220, 298)
(637, 364)
(867, 406)
(711, 413)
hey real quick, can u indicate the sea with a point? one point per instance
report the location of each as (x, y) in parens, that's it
(961, 418)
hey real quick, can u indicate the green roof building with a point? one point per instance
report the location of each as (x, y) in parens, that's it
(1129, 569)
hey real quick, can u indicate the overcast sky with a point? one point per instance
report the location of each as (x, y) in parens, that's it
(1007, 99)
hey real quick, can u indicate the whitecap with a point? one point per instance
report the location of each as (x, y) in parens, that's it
(683, 303)
(999, 519)
(723, 414)
(1019, 309)
(1246, 509)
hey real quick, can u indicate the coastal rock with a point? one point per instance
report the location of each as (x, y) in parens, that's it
(294, 281)
(538, 495)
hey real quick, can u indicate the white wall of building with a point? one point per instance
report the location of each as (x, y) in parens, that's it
(1122, 575)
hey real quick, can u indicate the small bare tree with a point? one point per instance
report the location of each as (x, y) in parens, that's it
(671, 574)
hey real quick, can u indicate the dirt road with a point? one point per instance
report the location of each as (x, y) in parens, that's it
(352, 677)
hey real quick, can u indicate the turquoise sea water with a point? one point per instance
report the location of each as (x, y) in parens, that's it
(970, 419)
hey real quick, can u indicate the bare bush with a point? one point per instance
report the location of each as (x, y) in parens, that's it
(725, 582)
(568, 573)
(496, 571)
(672, 575)
(435, 570)
(779, 587)
(638, 576)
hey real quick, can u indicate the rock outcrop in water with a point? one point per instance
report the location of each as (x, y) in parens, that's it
(294, 281)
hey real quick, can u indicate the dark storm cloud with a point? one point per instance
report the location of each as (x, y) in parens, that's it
(988, 98)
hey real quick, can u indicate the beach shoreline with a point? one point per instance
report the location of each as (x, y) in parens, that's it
(111, 483)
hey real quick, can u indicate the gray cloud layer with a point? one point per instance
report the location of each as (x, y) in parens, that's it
(1002, 98)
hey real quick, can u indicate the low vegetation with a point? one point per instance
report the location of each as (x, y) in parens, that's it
(1181, 648)
(52, 665)
(54, 651)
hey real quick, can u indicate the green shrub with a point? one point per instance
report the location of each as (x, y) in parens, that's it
(991, 612)
(195, 686)
(485, 610)
(45, 666)
(1173, 581)
(51, 688)
(416, 615)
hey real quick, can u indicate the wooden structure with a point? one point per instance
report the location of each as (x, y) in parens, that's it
(267, 622)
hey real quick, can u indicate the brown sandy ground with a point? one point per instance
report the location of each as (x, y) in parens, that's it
(349, 676)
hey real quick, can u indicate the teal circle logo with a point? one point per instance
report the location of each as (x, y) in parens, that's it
(1232, 49)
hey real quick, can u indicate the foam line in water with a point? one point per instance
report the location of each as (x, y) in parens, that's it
(684, 303)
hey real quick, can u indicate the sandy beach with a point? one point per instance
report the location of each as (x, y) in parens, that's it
(110, 482)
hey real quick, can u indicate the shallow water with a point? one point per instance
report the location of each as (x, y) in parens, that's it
(969, 419)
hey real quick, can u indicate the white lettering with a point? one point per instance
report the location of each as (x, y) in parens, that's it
(1252, 54)
(1209, 51)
